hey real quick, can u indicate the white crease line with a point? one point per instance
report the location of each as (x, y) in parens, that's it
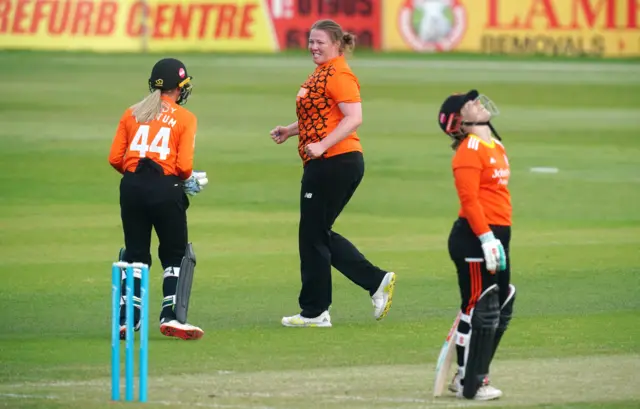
(165, 403)
(209, 405)
(321, 398)
(23, 396)
(57, 384)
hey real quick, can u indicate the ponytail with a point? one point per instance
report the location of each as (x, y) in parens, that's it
(148, 108)
(348, 42)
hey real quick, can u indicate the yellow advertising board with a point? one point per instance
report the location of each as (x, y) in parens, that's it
(129, 25)
(595, 28)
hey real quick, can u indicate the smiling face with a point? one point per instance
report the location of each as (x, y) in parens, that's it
(322, 47)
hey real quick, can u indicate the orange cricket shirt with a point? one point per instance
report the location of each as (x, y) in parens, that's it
(481, 172)
(168, 139)
(317, 106)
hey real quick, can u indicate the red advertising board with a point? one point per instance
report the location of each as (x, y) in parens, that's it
(292, 20)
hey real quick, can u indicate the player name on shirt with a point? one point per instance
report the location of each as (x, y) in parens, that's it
(167, 118)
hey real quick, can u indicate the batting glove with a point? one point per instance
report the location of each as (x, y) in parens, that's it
(495, 257)
(195, 183)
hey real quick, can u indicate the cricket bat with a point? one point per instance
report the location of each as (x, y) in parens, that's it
(443, 365)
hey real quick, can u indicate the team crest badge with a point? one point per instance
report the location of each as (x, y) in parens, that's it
(432, 25)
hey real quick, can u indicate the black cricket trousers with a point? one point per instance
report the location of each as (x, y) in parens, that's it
(327, 186)
(149, 199)
(466, 253)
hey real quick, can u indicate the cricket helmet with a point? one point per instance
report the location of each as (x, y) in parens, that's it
(450, 119)
(168, 74)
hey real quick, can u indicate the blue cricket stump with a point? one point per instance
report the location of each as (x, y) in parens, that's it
(116, 278)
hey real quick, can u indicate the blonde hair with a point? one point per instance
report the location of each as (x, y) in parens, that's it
(149, 107)
(334, 30)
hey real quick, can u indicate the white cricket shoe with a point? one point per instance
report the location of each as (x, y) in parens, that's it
(485, 392)
(382, 298)
(322, 320)
(175, 329)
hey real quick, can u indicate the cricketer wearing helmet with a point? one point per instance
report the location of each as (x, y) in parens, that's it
(479, 239)
(153, 149)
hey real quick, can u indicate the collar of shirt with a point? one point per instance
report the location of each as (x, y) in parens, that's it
(332, 60)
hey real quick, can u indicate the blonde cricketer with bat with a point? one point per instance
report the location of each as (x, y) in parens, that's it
(153, 149)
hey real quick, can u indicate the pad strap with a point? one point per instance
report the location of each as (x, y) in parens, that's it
(171, 272)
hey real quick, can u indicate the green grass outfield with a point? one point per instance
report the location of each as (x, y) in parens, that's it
(574, 341)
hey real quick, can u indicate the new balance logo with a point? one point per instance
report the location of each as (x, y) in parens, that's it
(308, 195)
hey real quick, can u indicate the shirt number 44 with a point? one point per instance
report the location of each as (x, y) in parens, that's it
(159, 145)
